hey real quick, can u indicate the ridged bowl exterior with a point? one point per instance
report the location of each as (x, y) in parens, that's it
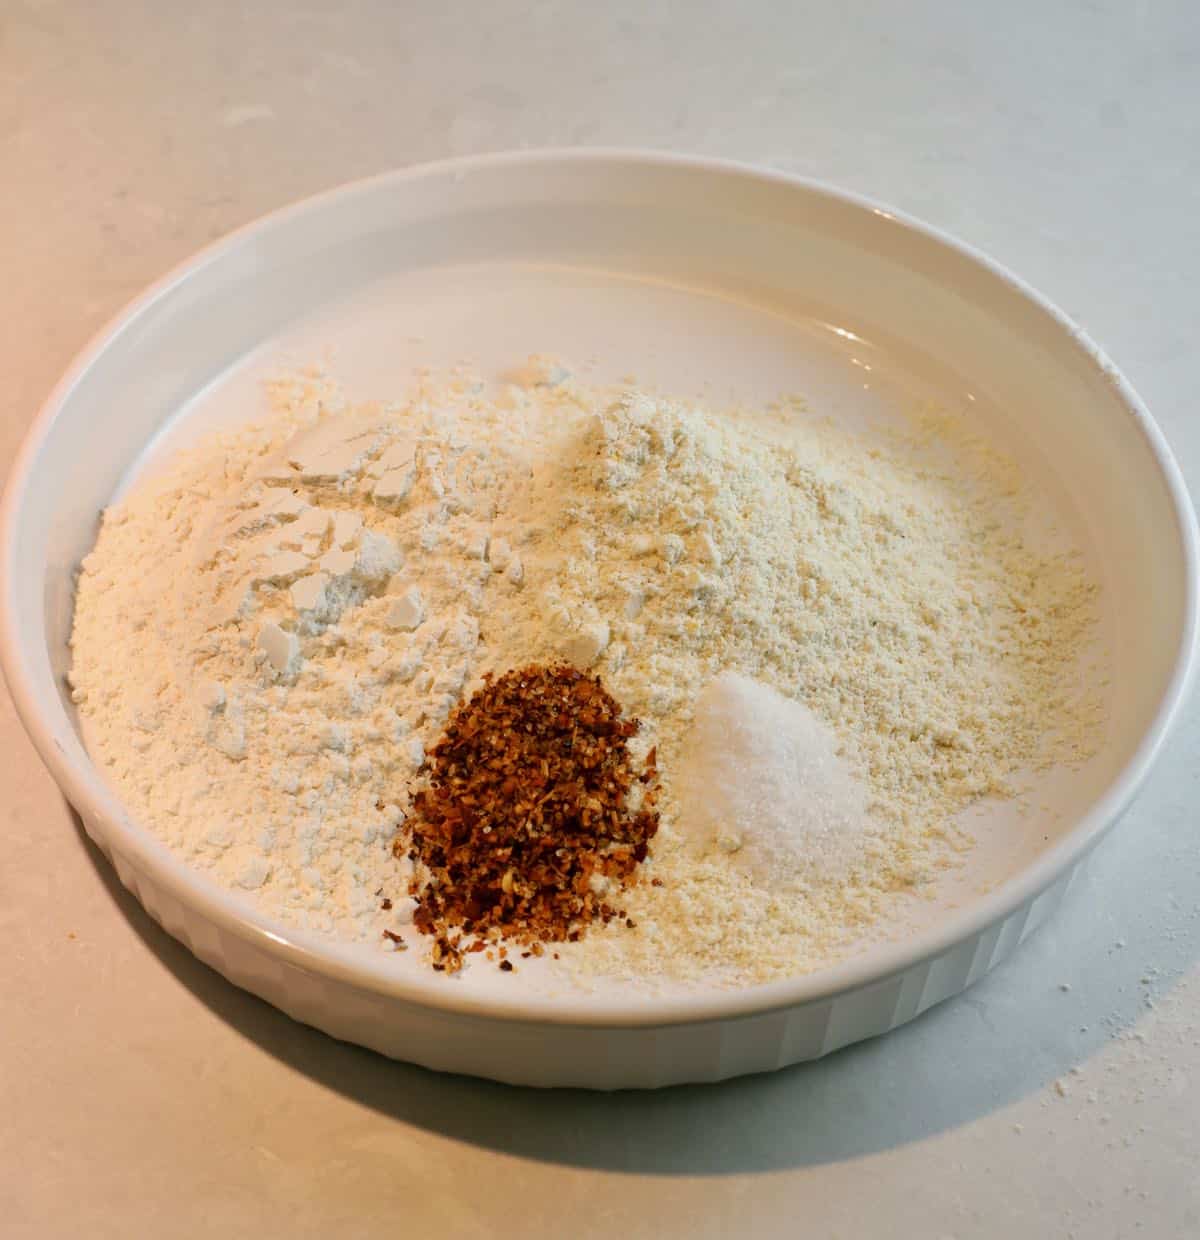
(545, 1055)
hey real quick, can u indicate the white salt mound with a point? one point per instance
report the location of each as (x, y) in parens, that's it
(761, 779)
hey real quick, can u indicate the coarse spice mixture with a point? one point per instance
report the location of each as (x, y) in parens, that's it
(531, 816)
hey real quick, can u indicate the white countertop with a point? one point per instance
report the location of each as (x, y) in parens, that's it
(140, 1093)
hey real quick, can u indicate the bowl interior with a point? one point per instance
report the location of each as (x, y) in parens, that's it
(699, 280)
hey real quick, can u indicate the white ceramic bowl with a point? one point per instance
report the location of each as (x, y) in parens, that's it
(714, 265)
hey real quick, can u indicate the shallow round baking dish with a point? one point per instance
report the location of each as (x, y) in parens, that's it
(749, 277)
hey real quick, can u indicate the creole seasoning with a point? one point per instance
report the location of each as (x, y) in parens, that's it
(526, 820)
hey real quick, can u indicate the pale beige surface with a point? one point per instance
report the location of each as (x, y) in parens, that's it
(141, 1095)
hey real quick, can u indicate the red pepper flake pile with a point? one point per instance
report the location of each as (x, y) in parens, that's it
(524, 823)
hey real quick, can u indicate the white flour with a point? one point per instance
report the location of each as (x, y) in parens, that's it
(268, 638)
(301, 609)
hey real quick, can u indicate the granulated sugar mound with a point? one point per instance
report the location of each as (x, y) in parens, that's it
(761, 779)
(271, 634)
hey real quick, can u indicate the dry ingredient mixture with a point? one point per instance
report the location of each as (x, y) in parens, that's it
(270, 636)
(527, 821)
